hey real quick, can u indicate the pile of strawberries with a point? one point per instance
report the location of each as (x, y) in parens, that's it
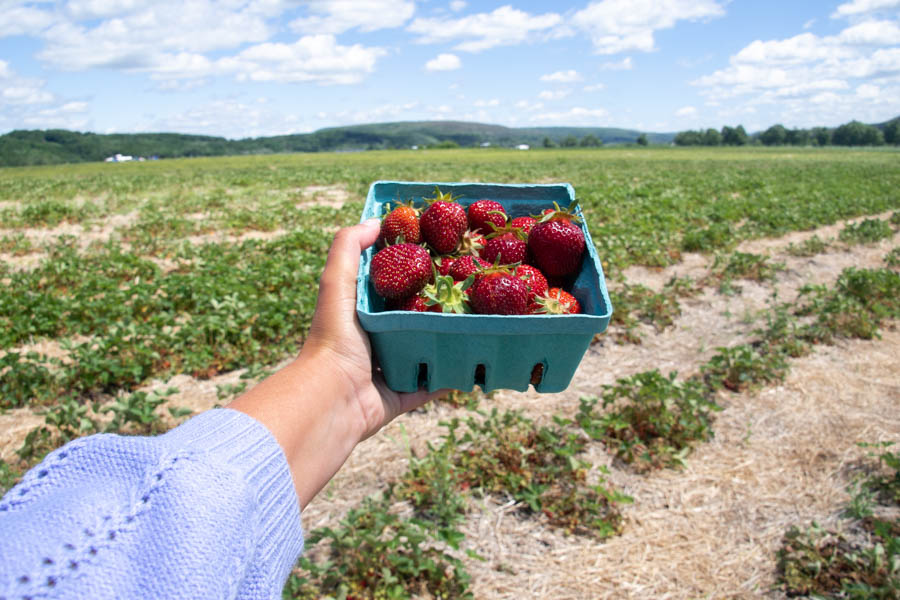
(445, 258)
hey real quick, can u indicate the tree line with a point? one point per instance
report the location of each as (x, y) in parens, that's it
(853, 133)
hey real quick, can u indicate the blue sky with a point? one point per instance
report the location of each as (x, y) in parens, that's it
(246, 68)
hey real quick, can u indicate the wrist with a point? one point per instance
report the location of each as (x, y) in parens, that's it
(308, 409)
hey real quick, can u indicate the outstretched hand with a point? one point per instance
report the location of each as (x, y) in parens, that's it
(331, 397)
(336, 331)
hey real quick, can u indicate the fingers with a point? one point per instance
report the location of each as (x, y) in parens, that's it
(338, 280)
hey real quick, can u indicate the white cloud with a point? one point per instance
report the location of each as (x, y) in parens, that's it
(486, 103)
(457, 5)
(686, 112)
(622, 65)
(553, 94)
(315, 58)
(569, 76)
(231, 118)
(504, 26)
(23, 20)
(623, 25)
(594, 87)
(16, 90)
(858, 7)
(811, 79)
(443, 62)
(525, 105)
(574, 116)
(874, 33)
(338, 16)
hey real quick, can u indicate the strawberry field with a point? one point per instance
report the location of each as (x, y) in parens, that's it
(734, 434)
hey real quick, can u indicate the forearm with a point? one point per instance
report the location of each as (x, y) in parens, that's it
(309, 410)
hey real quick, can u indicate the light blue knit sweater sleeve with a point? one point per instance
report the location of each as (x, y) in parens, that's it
(207, 510)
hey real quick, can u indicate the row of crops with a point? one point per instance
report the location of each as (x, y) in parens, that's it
(214, 268)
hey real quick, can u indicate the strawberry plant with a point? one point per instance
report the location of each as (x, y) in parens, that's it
(373, 554)
(867, 231)
(744, 367)
(650, 420)
(809, 247)
(892, 258)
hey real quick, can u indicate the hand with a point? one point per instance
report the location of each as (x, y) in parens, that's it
(330, 398)
(336, 333)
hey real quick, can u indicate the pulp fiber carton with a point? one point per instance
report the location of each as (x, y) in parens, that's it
(437, 350)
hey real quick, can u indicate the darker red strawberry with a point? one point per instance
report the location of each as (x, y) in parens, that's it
(443, 264)
(464, 266)
(483, 212)
(443, 223)
(534, 280)
(506, 246)
(524, 223)
(499, 292)
(400, 270)
(400, 223)
(556, 243)
(415, 303)
(556, 301)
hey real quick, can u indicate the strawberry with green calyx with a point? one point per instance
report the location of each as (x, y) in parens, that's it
(443, 223)
(534, 280)
(524, 223)
(400, 270)
(464, 266)
(506, 245)
(472, 243)
(556, 243)
(399, 224)
(447, 295)
(482, 213)
(556, 301)
(499, 292)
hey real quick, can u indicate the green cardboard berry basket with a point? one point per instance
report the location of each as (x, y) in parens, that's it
(435, 350)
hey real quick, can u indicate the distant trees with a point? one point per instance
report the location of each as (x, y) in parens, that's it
(590, 141)
(642, 140)
(853, 133)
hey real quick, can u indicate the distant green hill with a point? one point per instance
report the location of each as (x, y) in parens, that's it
(41, 147)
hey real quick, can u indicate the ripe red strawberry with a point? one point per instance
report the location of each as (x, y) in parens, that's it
(443, 223)
(464, 266)
(499, 292)
(402, 221)
(524, 223)
(556, 302)
(443, 264)
(506, 244)
(415, 303)
(400, 270)
(534, 280)
(556, 242)
(483, 212)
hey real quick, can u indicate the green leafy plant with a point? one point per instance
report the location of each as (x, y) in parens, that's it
(376, 554)
(867, 231)
(809, 247)
(651, 420)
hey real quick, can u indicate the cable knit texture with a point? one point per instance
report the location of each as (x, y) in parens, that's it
(207, 510)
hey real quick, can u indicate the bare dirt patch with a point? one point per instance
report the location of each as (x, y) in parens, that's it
(332, 196)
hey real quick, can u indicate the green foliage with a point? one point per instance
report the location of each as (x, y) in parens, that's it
(716, 236)
(809, 247)
(892, 258)
(744, 367)
(538, 466)
(867, 231)
(651, 421)
(376, 554)
(855, 307)
(823, 564)
(638, 303)
(742, 265)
